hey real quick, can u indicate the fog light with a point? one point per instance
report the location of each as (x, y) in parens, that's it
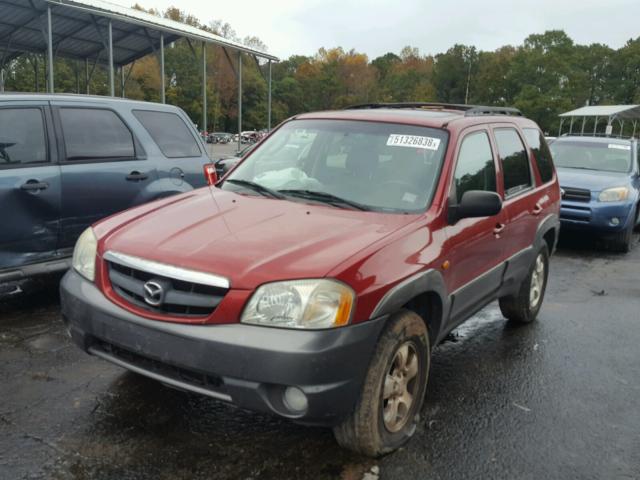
(615, 221)
(295, 399)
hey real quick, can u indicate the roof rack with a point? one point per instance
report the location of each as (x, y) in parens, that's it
(469, 110)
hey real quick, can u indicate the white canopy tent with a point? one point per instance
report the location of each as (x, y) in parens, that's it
(611, 113)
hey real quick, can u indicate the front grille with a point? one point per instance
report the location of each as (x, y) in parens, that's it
(188, 376)
(179, 297)
(576, 194)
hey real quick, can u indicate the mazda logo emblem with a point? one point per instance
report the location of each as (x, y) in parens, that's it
(153, 293)
(562, 192)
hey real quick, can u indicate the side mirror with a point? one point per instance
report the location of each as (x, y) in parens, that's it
(210, 174)
(475, 203)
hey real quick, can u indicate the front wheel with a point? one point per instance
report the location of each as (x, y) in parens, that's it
(623, 241)
(525, 305)
(388, 410)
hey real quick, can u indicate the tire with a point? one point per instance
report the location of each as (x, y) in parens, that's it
(524, 306)
(379, 424)
(622, 242)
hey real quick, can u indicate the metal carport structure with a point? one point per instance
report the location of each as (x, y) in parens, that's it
(96, 31)
(612, 113)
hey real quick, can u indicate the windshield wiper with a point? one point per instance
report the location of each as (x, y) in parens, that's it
(324, 197)
(582, 168)
(256, 187)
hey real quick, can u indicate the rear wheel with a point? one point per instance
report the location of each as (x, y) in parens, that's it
(525, 305)
(388, 409)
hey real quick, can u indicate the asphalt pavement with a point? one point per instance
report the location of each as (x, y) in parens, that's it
(557, 399)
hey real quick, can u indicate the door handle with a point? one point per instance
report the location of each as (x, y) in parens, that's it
(137, 176)
(33, 185)
(498, 230)
(537, 210)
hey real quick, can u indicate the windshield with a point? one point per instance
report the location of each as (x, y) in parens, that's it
(371, 165)
(607, 157)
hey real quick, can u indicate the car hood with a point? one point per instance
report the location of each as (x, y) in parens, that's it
(250, 240)
(591, 179)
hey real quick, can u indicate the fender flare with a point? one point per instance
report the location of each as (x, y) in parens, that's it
(429, 281)
(550, 222)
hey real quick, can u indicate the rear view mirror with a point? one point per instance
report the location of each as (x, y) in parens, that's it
(475, 203)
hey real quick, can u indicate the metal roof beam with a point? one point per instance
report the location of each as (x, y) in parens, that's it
(17, 47)
(259, 68)
(233, 67)
(193, 50)
(15, 28)
(70, 18)
(148, 51)
(167, 29)
(105, 45)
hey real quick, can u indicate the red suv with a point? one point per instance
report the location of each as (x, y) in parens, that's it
(314, 279)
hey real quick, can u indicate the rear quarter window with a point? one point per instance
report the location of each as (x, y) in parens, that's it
(515, 161)
(169, 132)
(95, 134)
(541, 152)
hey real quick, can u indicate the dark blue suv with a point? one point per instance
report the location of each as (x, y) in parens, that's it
(600, 181)
(67, 161)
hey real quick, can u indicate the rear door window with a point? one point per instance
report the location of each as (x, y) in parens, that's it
(475, 169)
(95, 134)
(170, 133)
(22, 137)
(515, 162)
(541, 152)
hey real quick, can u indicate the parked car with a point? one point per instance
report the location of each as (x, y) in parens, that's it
(219, 137)
(224, 164)
(68, 161)
(600, 180)
(314, 285)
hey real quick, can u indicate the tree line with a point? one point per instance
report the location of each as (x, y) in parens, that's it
(546, 75)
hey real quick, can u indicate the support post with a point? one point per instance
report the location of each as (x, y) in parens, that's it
(86, 75)
(560, 129)
(77, 71)
(37, 72)
(595, 126)
(2, 80)
(50, 82)
(122, 81)
(162, 92)
(112, 89)
(571, 126)
(204, 86)
(635, 123)
(584, 119)
(269, 100)
(239, 100)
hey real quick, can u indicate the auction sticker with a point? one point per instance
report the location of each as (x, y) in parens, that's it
(617, 146)
(413, 141)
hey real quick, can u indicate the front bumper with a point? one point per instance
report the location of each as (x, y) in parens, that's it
(247, 365)
(596, 216)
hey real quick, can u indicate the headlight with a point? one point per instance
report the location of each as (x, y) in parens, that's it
(84, 255)
(616, 194)
(310, 304)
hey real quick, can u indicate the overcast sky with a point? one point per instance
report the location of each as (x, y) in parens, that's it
(375, 27)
